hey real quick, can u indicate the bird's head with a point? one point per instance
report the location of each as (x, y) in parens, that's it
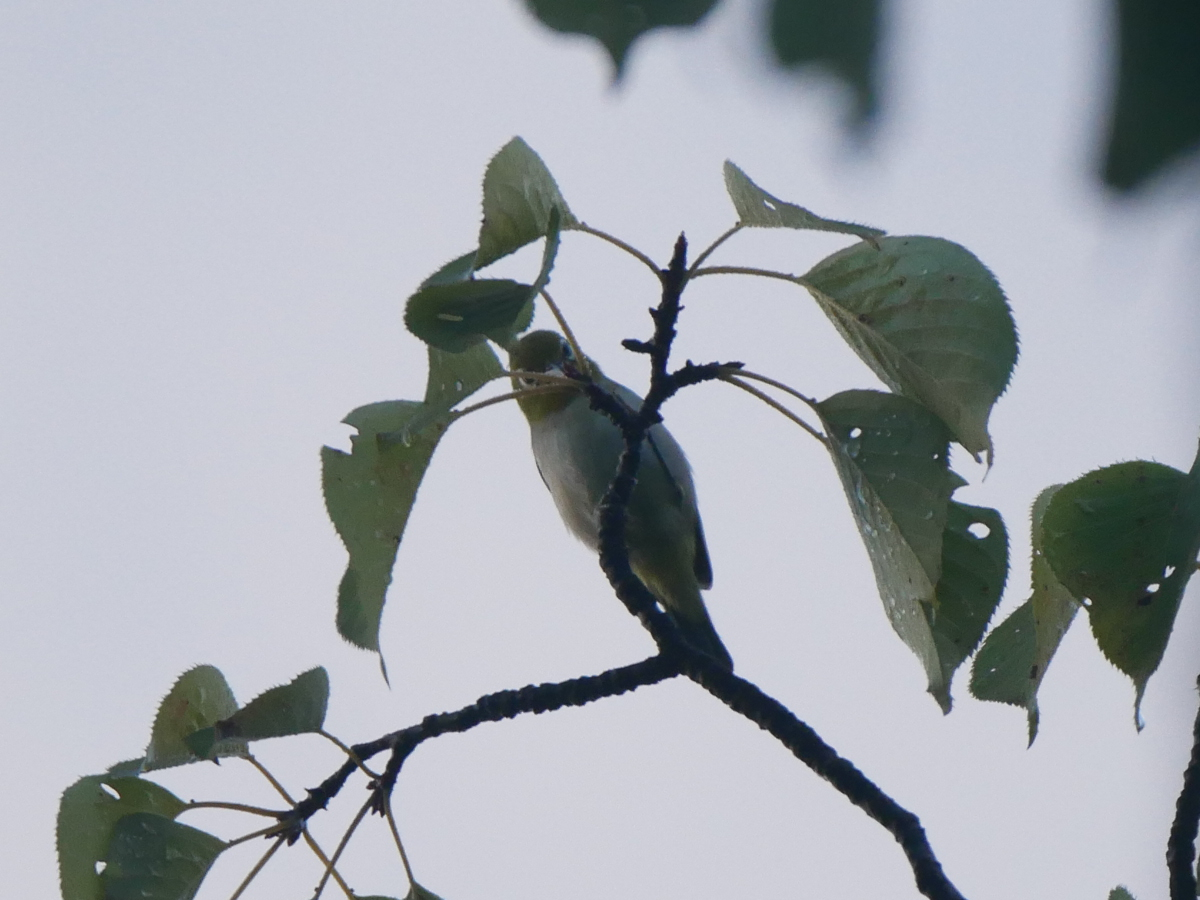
(546, 352)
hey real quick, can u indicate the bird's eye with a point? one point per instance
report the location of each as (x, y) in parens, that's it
(568, 354)
(527, 382)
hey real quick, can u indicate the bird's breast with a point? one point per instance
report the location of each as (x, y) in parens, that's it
(577, 451)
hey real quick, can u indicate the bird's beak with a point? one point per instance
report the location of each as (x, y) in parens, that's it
(567, 369)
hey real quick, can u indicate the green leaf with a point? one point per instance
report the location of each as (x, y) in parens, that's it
(758, 209)
(892, 456)
(369, 494)
(616, 23)
(128, 768)
(974, 569)
(455, 376)
(1155, 117)
(199, 698)
(153, 858)
(1124, 540)
(930, 320)
(1010, 666)
(456, 317)
(294, 708)
(840, 35)
(87, 815)
(452, 378)
(519, 195)
(457, 270)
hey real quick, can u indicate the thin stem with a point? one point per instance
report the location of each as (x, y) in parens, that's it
(236, 807)
(304, 831)
(258, 867)
(554, 383)
(348, 751)
(550, 379)
(562, 323)
(262, 832)
(391, 820)
(774, 404)
(329, 867)
(708, 251)
(787, 389)
(250, 758)
(320, 855)
(617, 242)
(748, 270)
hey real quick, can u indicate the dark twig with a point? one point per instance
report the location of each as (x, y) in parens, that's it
(737, 693)
(534, 698)
(1181, 844)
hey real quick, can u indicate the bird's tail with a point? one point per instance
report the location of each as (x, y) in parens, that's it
(679, 593)
(700, 633)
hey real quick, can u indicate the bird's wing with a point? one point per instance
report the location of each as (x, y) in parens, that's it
(674, 464)
(681, 494)
(543, 475)
(701, 564)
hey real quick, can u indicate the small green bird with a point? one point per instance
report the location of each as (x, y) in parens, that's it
(577, 450)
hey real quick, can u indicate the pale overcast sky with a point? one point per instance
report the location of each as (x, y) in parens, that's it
(210, 217)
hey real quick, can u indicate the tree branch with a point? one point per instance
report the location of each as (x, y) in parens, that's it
(1181, 844)
(676, 655)
(508, 704)
(738, 694)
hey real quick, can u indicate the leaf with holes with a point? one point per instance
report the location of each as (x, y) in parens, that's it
(618, 23)
(199, 698)
(457, 315)
(892, 457)
(1124, 540)
(151, 857)
(294, 708)
(520, 197)
(87, 814)
(758, 209)
(369, 494)
(1010, 666)
(452, 378)
(930, 320)
(974, 569)
(370, 491)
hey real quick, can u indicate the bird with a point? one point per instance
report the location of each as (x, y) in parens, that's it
(577, 450)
